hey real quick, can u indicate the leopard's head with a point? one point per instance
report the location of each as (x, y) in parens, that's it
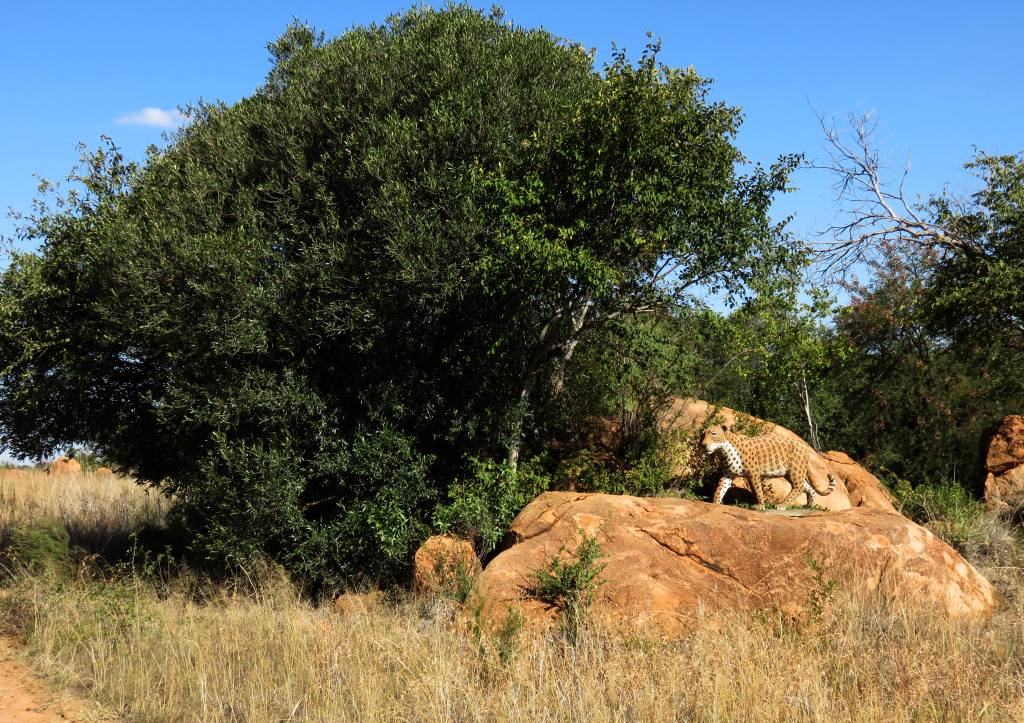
(713, 437)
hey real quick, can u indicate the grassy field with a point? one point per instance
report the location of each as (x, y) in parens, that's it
(158, 643)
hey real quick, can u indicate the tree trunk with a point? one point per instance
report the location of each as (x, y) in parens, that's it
(558, 383)
(811, 426)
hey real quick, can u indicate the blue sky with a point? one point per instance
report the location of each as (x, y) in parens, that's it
(943, 77)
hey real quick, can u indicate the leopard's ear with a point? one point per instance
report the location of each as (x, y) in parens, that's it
(727, 426)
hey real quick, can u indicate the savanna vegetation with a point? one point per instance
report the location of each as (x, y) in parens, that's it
(154, 639)
(388, 294)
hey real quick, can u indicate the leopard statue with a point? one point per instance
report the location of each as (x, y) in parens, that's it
(767, 455)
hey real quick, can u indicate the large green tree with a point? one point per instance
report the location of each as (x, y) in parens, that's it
(911, 403)
(303, 314)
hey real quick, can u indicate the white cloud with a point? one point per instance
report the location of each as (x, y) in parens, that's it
(157, 117)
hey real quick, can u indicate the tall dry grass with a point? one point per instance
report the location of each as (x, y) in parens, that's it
(156, 651)
(98, 511)
(270, 656)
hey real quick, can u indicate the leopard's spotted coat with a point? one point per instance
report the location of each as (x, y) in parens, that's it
(767, 455)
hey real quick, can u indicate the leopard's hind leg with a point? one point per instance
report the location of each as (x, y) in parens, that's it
(796, 474)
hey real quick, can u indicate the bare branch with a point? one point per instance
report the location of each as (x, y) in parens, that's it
(874, 213)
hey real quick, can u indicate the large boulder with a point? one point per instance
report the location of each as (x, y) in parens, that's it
(672, 562)
(862, 488)
(1003, 464)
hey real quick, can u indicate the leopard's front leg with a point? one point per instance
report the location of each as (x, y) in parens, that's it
(723, 486)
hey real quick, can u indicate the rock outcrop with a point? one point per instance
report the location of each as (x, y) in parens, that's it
(1003, 463)
(439, 563)
(102, 471)
(863, 489)
(671, 563)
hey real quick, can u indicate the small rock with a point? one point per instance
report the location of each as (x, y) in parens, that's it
(1003, 466)
(358, 603)
(439, 563)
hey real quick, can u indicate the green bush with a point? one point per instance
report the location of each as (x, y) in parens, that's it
(947, 509)
(42, 546)
(568, 582)
(483, 505)
(359, 511)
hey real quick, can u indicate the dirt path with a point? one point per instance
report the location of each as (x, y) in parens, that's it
(23, 699)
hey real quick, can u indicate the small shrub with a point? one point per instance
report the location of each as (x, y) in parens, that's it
(455, 579)
(507, 638)
(947, 509)
(568, 582)
(482, 506)
(823, 589)
(40, 546)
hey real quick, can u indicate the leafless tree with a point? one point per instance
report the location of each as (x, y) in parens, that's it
(875, 214)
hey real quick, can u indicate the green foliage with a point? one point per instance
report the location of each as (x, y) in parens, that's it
(360, 511)
(947, 509)
(483, 505)
(823, 588)
(568, 582)
(88, 460)
(40, 546)
(506, 640)
(907, 400)
(402, 236)
(769, 353)
(976, 288)
(639, 466)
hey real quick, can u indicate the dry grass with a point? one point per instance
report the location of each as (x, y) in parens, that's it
(156, 654)
(98, 511)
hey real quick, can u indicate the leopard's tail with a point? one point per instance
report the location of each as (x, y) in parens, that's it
(827, 490)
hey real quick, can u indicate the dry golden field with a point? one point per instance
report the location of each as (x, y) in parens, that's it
(163, 645)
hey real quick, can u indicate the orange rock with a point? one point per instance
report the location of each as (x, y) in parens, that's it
(357, 603)
(1005, 448)
(683, 417)
(862, 487)
(686, 416)
(1004, 464)
(64, 465)
(671, 563)
(438, 562)
(103, 471)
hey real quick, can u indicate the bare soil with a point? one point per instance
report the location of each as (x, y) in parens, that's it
(24, 699)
